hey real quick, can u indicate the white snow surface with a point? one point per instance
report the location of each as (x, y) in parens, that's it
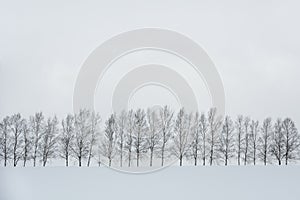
(216, 182)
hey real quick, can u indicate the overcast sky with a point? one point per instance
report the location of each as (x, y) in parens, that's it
(255, 46)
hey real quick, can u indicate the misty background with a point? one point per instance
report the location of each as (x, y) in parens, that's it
(255, 46)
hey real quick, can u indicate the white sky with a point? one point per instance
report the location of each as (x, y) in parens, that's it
(255, 45)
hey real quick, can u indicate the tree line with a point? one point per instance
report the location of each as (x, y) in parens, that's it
(147, 138)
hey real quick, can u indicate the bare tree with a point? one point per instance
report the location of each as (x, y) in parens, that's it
(239, 139)
(264, 140)
(152, 134)
(226, 146)
(36, 126)
(94, 131)
(129, 135)
(165, 125)
(196, 138)
(108, 144)
(292, 140)
(139, 136)
(16, 129)
(5, 145)
(66, 138)
(48, 140)
(246, 139)
(181, 135)
(121, 130)
(214, 123)
(254, 136)
(27, 143)
(82, 128)
(153, 137)
(277, 144)
(203, 126)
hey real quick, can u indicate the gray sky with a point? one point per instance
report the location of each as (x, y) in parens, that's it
(255, 46)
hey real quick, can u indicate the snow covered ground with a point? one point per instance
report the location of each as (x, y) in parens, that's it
(73, 183)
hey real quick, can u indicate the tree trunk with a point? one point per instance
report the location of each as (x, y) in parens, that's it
(239, 149)
(245, 160)
(129, 158)
(25, 153)
(67, 160)
(121, 155)
(5, 151)
(211, 149)
(162, 154)
(196, 156)
(79, 161)
(89, 159)
(25, 158)
(137, 158)
(151, 157)
(5, 158)
(180, 160)
(109, 162)
(204, 151)
(15, 152)
(34, 156)
(287, 146)
(90, 154)
(254, 156)
(211, 156)
(265, 159)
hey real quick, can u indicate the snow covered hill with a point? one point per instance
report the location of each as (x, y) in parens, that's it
(73, 183)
